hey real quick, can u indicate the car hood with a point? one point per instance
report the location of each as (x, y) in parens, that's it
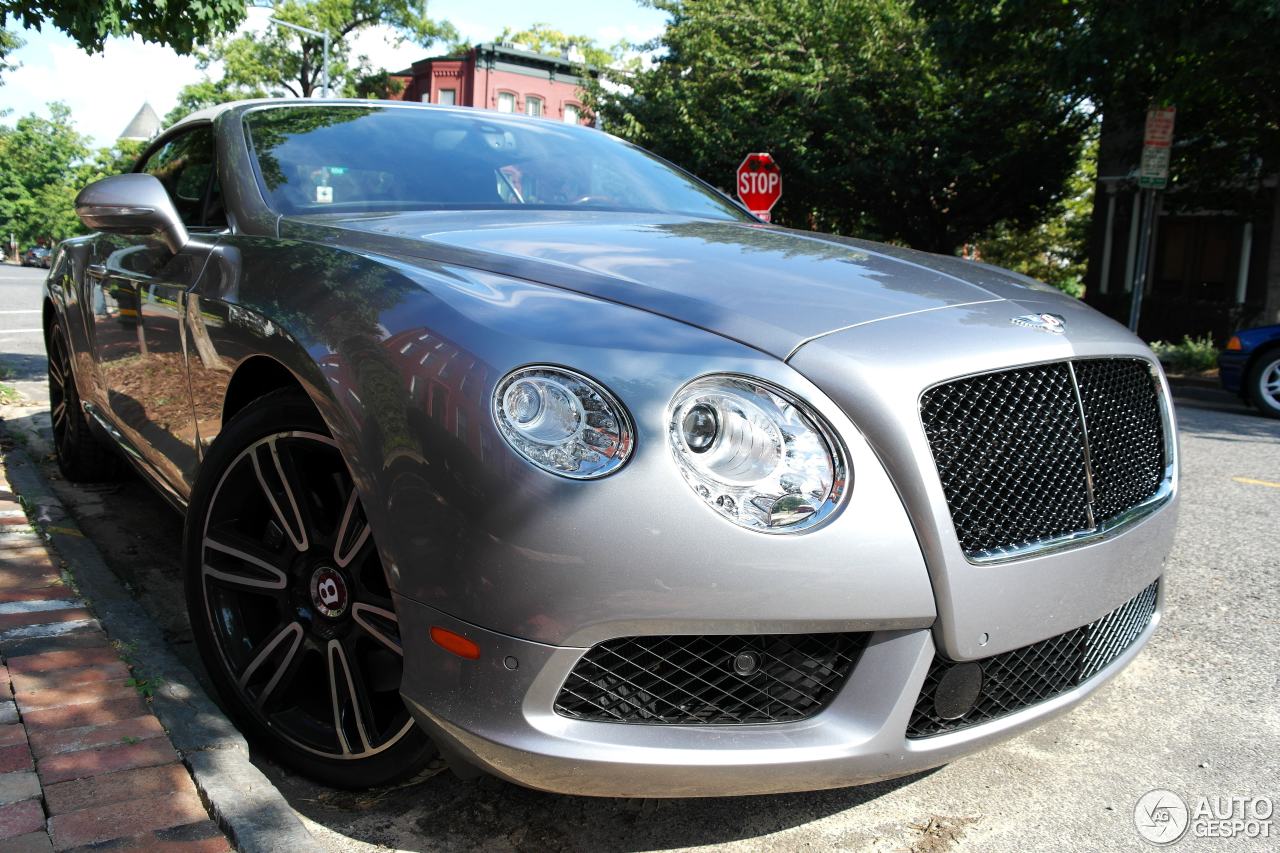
(771, 288)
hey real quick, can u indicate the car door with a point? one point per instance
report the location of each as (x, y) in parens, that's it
(137, 293)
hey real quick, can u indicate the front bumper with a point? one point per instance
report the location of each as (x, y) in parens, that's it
(496, 714)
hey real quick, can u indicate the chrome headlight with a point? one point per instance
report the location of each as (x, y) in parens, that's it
(756, 454)
(563, 422)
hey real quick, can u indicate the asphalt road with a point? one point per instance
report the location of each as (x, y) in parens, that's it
(1197, 713)
(21, 339)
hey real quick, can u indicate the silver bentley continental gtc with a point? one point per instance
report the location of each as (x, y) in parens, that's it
(508, 440)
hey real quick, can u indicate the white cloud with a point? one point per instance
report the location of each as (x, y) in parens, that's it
(379, 44)
(104, 90)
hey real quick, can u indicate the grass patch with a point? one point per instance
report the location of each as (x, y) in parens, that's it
(1192, 355)
(9, 395)
(146, 687)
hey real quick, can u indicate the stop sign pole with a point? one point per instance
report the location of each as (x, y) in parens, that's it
(759, 184)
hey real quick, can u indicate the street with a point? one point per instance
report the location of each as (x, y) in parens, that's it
(21, 340)
(1196, 713)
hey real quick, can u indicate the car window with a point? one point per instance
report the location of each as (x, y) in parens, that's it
(340, 159)
(185, 165)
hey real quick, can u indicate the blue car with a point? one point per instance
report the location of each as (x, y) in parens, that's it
(1250, 366)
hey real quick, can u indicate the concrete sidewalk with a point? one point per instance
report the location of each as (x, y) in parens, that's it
(83, 760)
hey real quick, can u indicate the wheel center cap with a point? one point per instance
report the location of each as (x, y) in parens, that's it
(329, 592)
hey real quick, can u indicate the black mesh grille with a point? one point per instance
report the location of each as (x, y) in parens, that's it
(1010, 448)
(693, 680)
(1029, 675)
(1126, 433)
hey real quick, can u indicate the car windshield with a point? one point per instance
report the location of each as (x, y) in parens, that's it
(346, 159)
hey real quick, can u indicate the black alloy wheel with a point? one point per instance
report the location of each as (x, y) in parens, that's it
(290, 604)
(82, 455)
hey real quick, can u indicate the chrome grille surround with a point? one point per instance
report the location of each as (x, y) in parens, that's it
(1050, 456)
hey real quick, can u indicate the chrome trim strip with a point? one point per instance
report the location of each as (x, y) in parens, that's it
(1090, 494)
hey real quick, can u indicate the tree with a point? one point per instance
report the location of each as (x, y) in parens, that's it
(180, 25)
(1207, 57)
(1054, 251)
(39, 166)
(880, 128)
(9, 42)
(281, 61)
(44, 163)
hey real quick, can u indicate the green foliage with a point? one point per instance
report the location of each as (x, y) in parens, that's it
(880, 127)
(1190, 356)
(40, 161)
(9, 42)
(1055, 250)
(281, 61)
(1207, 57)
(145, 687)
(44, 163)
(180, 25)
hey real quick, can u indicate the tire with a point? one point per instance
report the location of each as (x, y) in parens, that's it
(289, 603)
(1263, 383)
(83, 456)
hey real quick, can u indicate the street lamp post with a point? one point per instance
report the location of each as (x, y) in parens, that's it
(311, 32)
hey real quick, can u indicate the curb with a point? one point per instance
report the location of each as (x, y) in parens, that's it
(243, 801)
(1189, 380)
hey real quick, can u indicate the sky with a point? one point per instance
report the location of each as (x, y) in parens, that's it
(105, 90)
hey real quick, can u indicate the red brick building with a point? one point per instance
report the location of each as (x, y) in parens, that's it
(500, 77)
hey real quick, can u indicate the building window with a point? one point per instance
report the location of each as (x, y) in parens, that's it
(532, 105)
(571, 114)
(448, 97)
(506, 102)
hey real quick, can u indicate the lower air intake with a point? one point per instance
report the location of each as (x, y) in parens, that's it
(709, 680)
(1032, 674)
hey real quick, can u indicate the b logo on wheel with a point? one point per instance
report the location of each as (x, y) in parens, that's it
(328, 592)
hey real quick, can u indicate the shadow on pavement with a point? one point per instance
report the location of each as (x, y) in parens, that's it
(443, 813)
(22, 367)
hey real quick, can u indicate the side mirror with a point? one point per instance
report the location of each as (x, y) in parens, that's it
(132, 204)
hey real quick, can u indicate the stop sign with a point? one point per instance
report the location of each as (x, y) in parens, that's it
(759, 183)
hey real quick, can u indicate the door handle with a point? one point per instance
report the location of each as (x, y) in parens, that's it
(97, 269)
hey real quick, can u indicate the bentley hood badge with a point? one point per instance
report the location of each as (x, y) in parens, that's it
(1054, 324)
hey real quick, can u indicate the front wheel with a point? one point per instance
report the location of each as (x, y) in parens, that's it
(289, 603)
(1263, 384)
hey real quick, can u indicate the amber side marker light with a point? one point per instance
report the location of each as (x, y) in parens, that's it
(1234, 343)
(456, 643)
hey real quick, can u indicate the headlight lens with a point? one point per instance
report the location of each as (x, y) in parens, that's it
(756, 454)
(563, 422)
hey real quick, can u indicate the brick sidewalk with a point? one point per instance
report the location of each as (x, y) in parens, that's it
(83, 761)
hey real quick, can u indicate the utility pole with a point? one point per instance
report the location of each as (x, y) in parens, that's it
(317, 34)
